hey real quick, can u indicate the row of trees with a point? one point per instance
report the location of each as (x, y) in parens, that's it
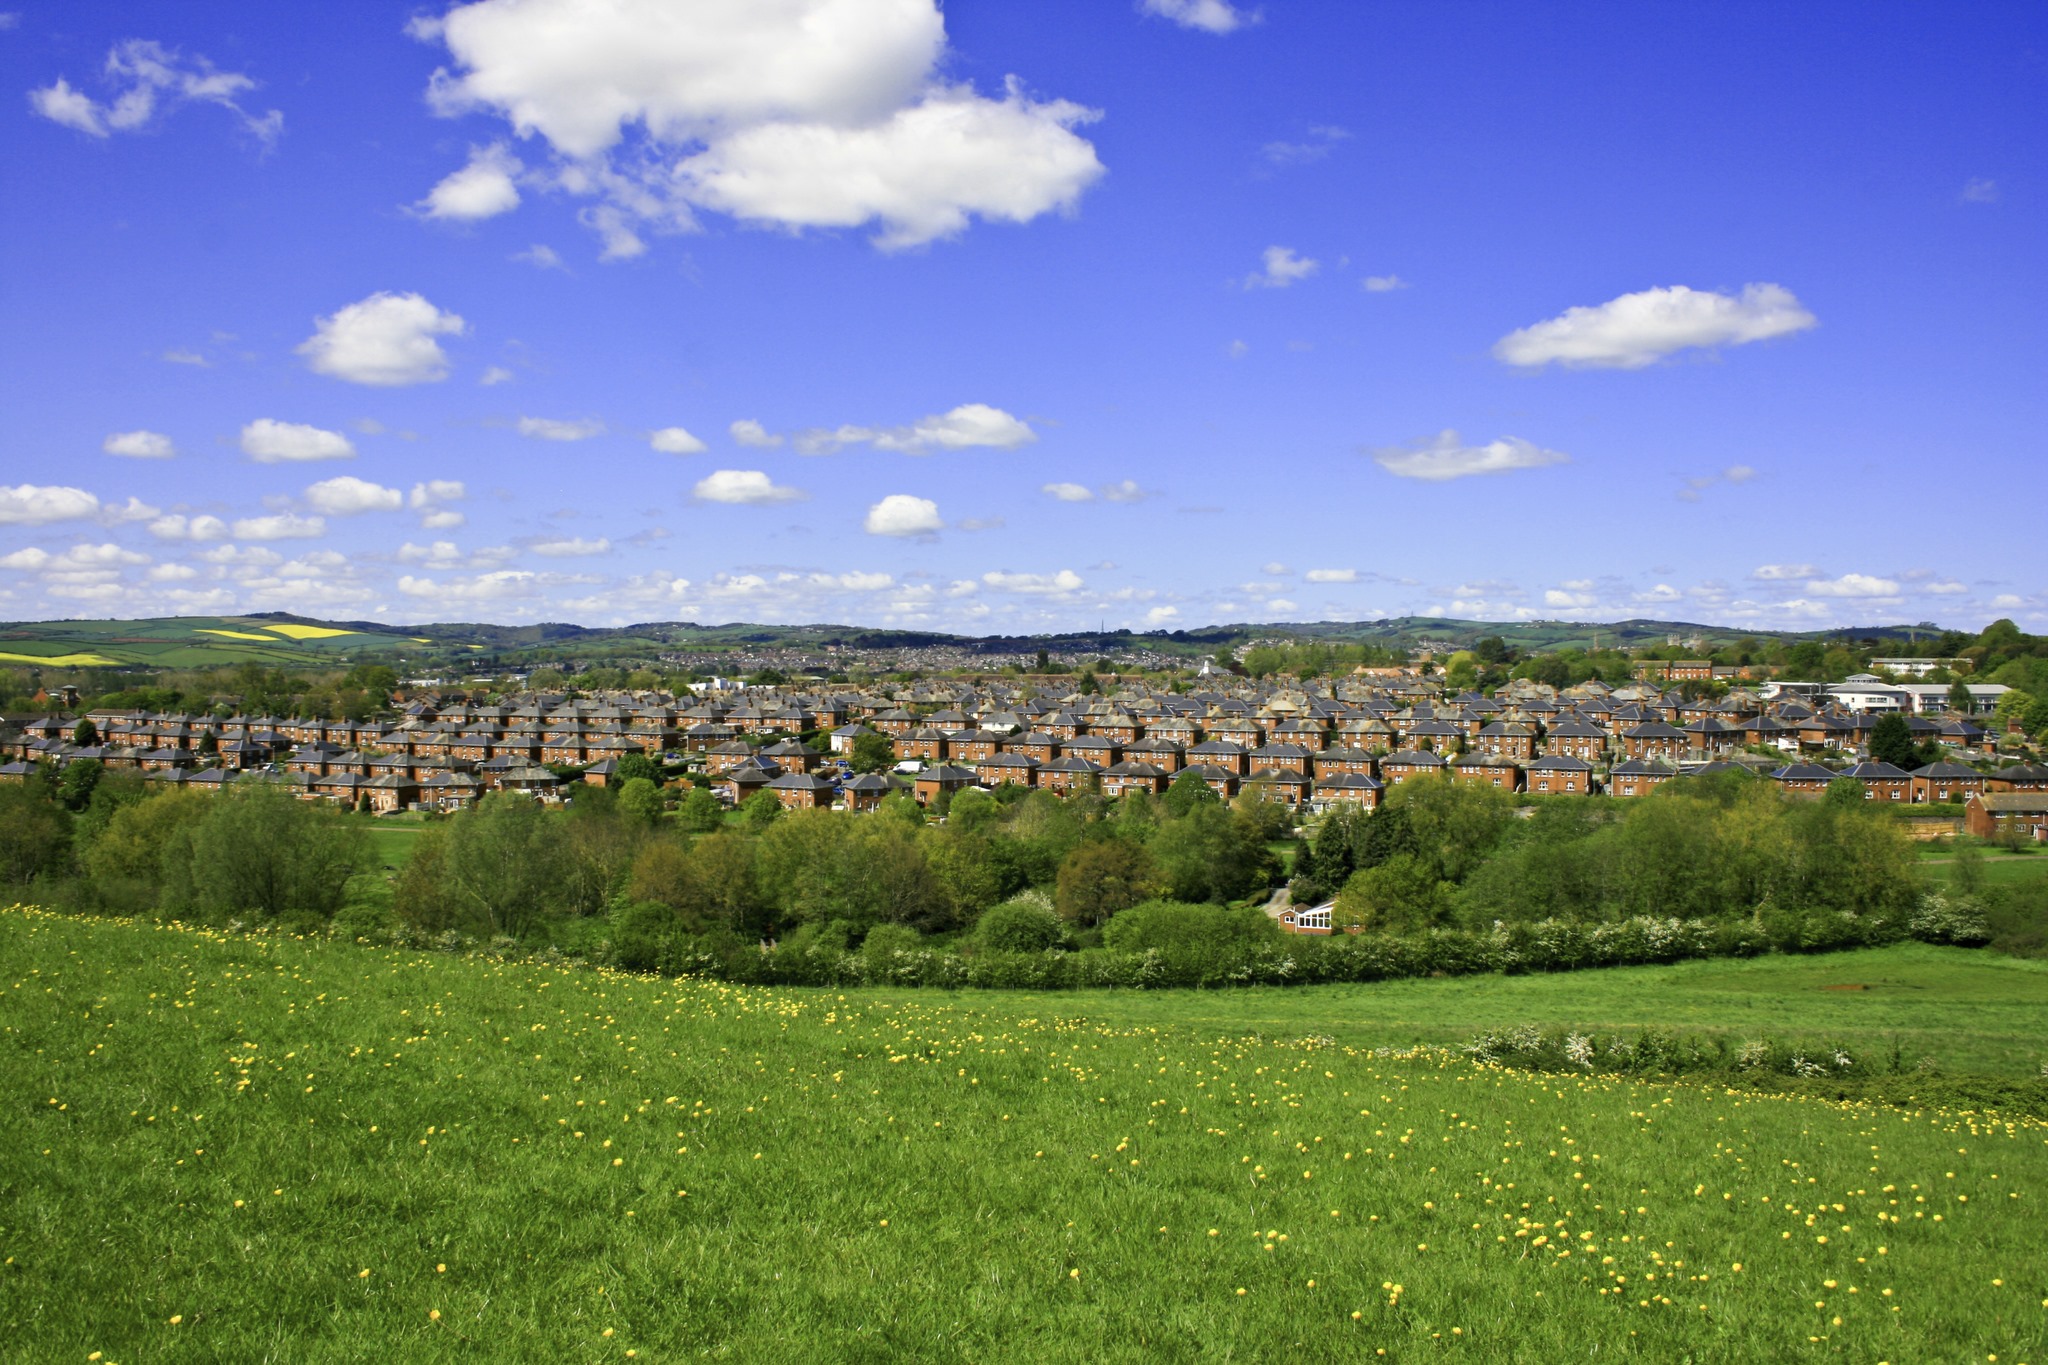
(106, 842)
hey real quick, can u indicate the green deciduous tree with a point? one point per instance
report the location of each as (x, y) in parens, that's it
(264, 853)
(1103, 876)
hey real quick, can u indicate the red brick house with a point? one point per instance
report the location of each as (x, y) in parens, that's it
(1397, 768)
(1559, 774)
(1506, 739)
(802, 791)
(1943, 781)
(1485, 770)
(1128, 776)
(1221, 753)
(1654, 740)
(1882, 781)
(996, 769)
(1806, 780)
(1068, 774)
(1639, 777)
(926, 744)
(1220, 780)
(1357, 789)
(1289, 757)
(945, 779)
(1991, 814)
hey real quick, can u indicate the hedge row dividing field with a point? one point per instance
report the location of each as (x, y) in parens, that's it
(244, 1148)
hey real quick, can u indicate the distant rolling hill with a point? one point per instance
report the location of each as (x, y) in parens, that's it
(200, 642)
(285, 640)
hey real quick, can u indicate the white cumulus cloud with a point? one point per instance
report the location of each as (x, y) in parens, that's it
(1331, 575)
(1069, 492)
(178, 526)
(1209, 16)
(31, 504)
(900, 514)
(348, 495)
(1382, 284)
(966, 427)
(269, 441)
(1638, 329)
(568, 547)
(386, 340)
(749, 432)
(743, 486)
(484, 188)
(140, 445)
(149, 79)
(1058, 584)
(551, 429)
(280, 526)
(676, 441)
(1281, 267)
(1161, 616)
(1853, 585)
(1444, 456)
(796, 113)
(1784, 573)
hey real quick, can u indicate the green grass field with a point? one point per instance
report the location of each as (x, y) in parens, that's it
(1971, 1011)
(218, 1148)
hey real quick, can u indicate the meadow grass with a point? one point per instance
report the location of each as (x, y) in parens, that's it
(1970, 1010)
(249, 1148)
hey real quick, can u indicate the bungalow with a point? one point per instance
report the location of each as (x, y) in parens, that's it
(1357, 789)
(1304, 919)
(1808, 780)
(1882, 781)
(1559, 774)
(1991, 814)
(942, 780)
(1945, 781)
(1639, 777)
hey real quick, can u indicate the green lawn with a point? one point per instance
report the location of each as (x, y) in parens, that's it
(391, 841)
(220, 1148)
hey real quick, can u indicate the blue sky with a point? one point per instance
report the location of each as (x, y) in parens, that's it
(1017, 317)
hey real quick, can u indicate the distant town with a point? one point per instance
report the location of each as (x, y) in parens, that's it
(1909, 730)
